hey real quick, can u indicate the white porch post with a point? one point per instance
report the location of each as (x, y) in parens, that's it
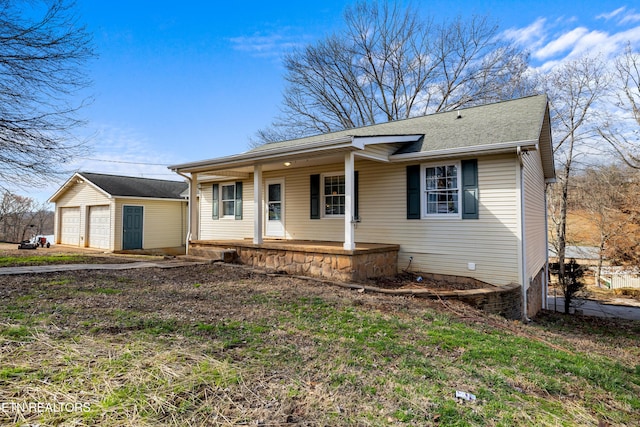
(194, 223)
(349, 225)
(257, 204)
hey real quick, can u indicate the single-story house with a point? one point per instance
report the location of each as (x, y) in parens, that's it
(459, 193)
(118, 213)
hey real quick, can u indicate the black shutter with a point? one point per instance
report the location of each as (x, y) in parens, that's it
(314, 192)
(238, 200)
(215, 205)
(470, 208)
(413, 192)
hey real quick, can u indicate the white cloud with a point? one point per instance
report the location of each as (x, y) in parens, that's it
(630, 18)
(610, 15)
(529, 36)
(564, 43)
(124, 152)
(266, 45)
(554, 41)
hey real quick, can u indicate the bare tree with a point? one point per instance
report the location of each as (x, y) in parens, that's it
(602, 194)
(42, 53)
(574, 89)
(388, 64)
(15, 216)
(622, 130)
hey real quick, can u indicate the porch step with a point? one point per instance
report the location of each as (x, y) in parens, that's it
(215, 254)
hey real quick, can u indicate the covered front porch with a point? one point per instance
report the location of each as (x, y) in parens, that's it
(328, 260)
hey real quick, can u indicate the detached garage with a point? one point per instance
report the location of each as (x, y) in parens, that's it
(118, 213)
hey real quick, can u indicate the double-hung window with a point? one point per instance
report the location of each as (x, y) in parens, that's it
(334, 195)
(442, 190)
(228, 200)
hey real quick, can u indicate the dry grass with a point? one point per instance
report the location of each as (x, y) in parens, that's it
(221, 345)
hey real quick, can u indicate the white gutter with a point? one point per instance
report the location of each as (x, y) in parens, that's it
(250, 157)
(545, 283)
(471, 151)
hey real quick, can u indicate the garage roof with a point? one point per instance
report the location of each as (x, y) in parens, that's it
(128, 186)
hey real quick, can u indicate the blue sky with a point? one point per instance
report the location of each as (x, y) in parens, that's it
(183, 81)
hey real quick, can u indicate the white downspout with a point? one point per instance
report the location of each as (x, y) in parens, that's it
(188, 236)
(545, 282)
(523, 249)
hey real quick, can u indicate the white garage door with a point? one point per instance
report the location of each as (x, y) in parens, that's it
(99, 227)
(70, 226)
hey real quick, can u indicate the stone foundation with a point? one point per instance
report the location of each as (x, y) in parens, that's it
(315, 261)
(534, 294)
(503, 300)
(336, 264)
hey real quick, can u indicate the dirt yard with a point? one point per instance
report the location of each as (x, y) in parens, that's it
(218, 344)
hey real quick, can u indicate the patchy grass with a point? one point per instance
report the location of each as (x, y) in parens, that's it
(220, 345)
(19, 261)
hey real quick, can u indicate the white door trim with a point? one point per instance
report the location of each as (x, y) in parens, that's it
(274, 228)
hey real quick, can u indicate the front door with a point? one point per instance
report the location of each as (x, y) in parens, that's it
(275, 208)
(132, 227)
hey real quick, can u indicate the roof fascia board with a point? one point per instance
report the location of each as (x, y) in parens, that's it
(250, 157)
(150, 198)
(63, 188)
(72, 181)
(474, 150)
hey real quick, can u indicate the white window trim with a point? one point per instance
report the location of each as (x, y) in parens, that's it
(323, 195)
(221, 202)
(423, 190)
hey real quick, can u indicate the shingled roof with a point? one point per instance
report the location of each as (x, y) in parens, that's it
(129, 186)
(505, 125)
(483, 125)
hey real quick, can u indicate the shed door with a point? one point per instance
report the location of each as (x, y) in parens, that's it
(132, 217)
(99, 227)
(70, 226)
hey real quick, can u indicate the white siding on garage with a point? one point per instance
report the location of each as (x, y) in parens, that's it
(70, 226)
(99, 225)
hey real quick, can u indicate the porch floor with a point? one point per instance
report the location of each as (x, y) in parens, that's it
(298, 245)
(311, 258)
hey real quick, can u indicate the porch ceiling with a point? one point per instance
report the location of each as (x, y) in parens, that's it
(245, 169)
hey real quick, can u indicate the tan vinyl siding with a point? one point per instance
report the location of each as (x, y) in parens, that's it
(226, 228)
(445, 246)
(298, 223)
(163, 222)
(534, 214)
